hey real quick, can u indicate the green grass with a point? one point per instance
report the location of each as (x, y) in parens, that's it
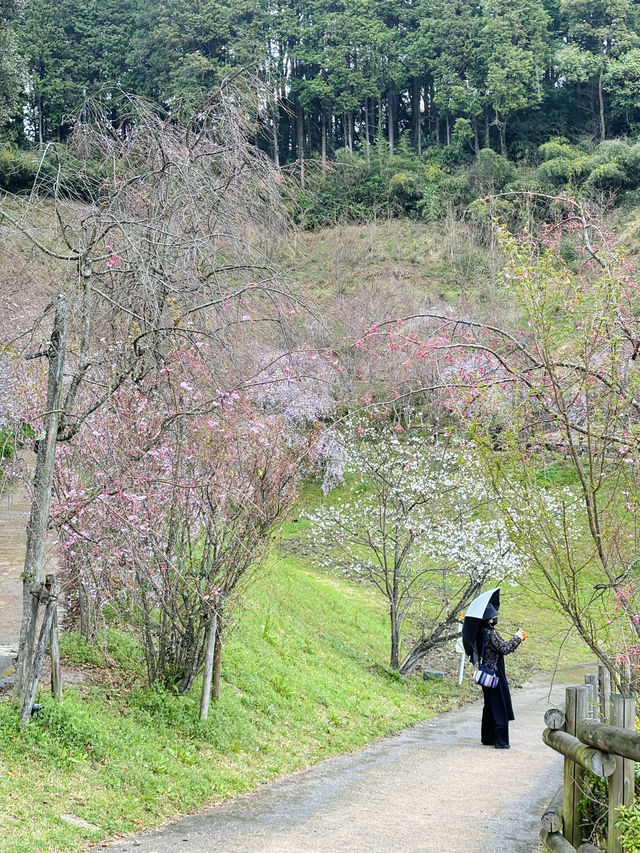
(302, 680)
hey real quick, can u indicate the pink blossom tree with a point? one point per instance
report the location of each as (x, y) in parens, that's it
(166, 525)
(160, 245)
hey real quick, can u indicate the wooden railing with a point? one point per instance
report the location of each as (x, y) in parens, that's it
(594, 731)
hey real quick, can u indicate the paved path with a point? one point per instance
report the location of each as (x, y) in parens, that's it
(14, 513)
(430, 789)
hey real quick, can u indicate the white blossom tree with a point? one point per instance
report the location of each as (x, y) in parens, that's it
(416, 524)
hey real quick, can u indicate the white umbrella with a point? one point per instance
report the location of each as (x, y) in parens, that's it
(474, 617)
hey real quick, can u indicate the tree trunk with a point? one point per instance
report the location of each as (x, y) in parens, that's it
(448, 132)
(391, 119)
(42, 486)
(502, 129)
(395, 637)
(217, 660)
(40, 123)
(366, 131)
(476, 138)
(284, 124)
(416, 125)
(274, 138)
(487, 131)
(300, 139)
(601, 108)
(324, 140)
(208, 667)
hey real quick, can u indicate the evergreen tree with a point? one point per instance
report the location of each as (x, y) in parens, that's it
(514, 45)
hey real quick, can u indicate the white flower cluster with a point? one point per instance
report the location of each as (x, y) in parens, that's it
(298, 387)
(415, 508)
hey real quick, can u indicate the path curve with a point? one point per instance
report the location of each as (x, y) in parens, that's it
(429, 789)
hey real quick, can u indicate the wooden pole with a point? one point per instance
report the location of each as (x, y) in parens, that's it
(613, 739)
(556, 843)
(569, 798)
(621, 782)
(568, 786)
(50, 596)
(593, 704)
(207, 676)
(598, 762)
(54, 646)
(42, 489)
(604, 690)
(552, 817)
(555, 719)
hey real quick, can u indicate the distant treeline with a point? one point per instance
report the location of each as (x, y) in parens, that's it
(501, 74)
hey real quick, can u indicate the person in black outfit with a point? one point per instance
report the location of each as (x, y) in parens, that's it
(497, 711)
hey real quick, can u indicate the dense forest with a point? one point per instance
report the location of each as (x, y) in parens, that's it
(504, 74)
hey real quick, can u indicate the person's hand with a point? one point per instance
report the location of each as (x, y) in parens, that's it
(520, 633)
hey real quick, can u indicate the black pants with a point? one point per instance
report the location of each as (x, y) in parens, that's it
(492, 735)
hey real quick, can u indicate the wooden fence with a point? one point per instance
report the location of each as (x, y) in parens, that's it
(594, 731)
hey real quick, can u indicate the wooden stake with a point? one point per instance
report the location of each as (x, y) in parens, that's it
(207, 676)
(604, 689)
(593, 704)
(51, 591)
(621, 782)
(54, 645)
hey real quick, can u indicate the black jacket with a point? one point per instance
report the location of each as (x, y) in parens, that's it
(495, 646)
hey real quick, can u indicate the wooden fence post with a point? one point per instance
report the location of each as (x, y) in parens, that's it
(604, 689)
(582, 711)
(54, 648)
(593, 702)
(49, 596)
(569, 799)
(621, 781)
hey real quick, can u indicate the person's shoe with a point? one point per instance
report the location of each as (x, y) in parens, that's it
(503, 746)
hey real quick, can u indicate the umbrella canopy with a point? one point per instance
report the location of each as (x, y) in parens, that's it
(475, 615)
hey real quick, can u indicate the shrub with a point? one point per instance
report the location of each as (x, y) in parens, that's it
(557, 171)
(558, 148)
(18, 170)
(490, 172)
(629, 825)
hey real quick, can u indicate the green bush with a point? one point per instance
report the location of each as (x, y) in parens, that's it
(557, 171)
(18, 170)
(558, 148)
(629, 825)
(606, 176)
(612, 165)
(490, 172)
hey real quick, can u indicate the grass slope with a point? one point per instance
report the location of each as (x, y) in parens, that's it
(302, 681)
